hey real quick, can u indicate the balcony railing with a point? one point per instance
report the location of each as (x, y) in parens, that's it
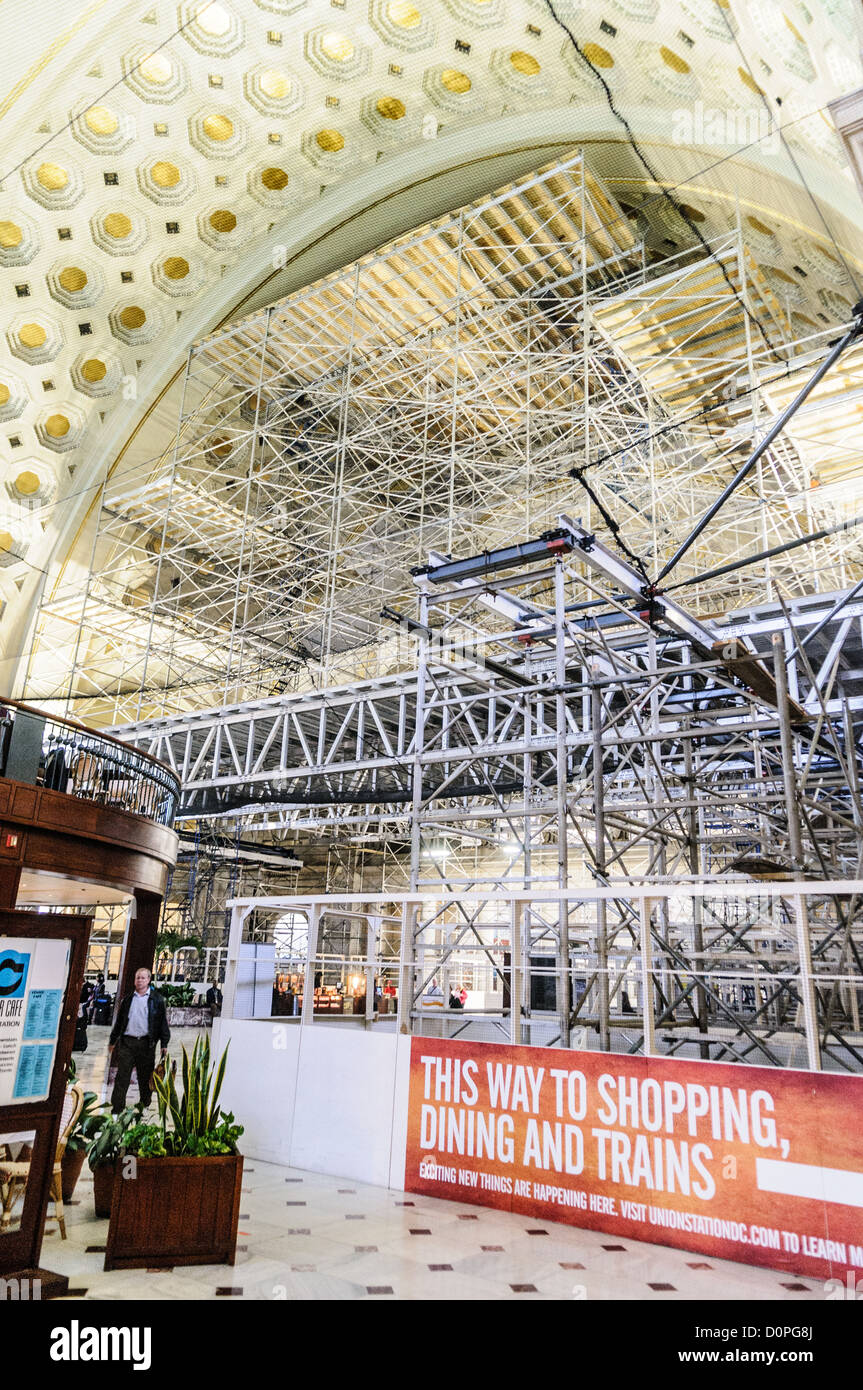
(70, 758)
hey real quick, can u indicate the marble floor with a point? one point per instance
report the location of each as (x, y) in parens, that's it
(307, 1236)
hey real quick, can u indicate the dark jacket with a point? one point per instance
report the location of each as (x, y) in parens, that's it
(157, 1020)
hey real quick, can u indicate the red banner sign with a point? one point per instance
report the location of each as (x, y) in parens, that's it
(754, 1164)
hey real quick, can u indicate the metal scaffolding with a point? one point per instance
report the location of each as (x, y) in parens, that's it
(558, 730)
(433, 397)
(362, 556)
(634, 745)
(342, 758)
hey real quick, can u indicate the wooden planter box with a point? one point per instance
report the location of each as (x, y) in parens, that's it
(103, 1190)
(71, 1165)
(175, 1211)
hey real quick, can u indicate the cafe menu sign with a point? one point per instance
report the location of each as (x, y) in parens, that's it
(33, 976)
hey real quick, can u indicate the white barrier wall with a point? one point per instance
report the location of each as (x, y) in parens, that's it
(325, 1098)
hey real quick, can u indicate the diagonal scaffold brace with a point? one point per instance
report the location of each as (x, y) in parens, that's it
(840, 346)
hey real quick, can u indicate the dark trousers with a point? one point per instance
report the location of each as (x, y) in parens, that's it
(138, 1055)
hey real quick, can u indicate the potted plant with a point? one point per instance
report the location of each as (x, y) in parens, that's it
(104, 1135)
(177, 996)
(169, 943)
(183, 1007)
(77, 1146)
(185, 1167)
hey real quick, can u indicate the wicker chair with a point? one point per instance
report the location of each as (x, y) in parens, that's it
(85, 776)
(14, 1174)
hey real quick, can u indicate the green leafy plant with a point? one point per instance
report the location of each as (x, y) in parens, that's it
(198, 1125)
(105, 1133)
(170, 941)
(145, 1140)
(222, 1140)
(175, 995)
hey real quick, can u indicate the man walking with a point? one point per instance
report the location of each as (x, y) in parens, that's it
(140, 1024)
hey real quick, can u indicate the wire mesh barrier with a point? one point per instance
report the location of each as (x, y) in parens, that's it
(67, 757)
(723, 971)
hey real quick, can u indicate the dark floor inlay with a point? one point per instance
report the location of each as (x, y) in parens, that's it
(290, 1179)
(241, 1249)
(347, 1191)
(797, 1288)
(420, 1231)
(614, 1247)
(378, 1288)
(229, 1293)
(365, 1249)
(244, 1216)
(295, 1204)
(662, 1288)
(537, 1232)
(489, 1248)
(469, 1217)
(299, 1231)
(95, 1249)
(565, 1265)
(441, 1268)
(523, 1288)
(354, 1216)
(405, 1204)
(698, 1265)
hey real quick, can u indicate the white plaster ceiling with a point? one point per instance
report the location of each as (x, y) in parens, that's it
(44, 889)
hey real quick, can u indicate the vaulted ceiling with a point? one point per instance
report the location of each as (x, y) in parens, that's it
(167, 166)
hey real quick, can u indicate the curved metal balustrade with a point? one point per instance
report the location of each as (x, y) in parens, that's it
(67, 757)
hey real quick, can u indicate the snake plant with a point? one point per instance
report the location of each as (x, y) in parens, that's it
(198, 1125)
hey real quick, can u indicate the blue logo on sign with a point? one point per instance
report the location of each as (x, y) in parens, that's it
(13, 974)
